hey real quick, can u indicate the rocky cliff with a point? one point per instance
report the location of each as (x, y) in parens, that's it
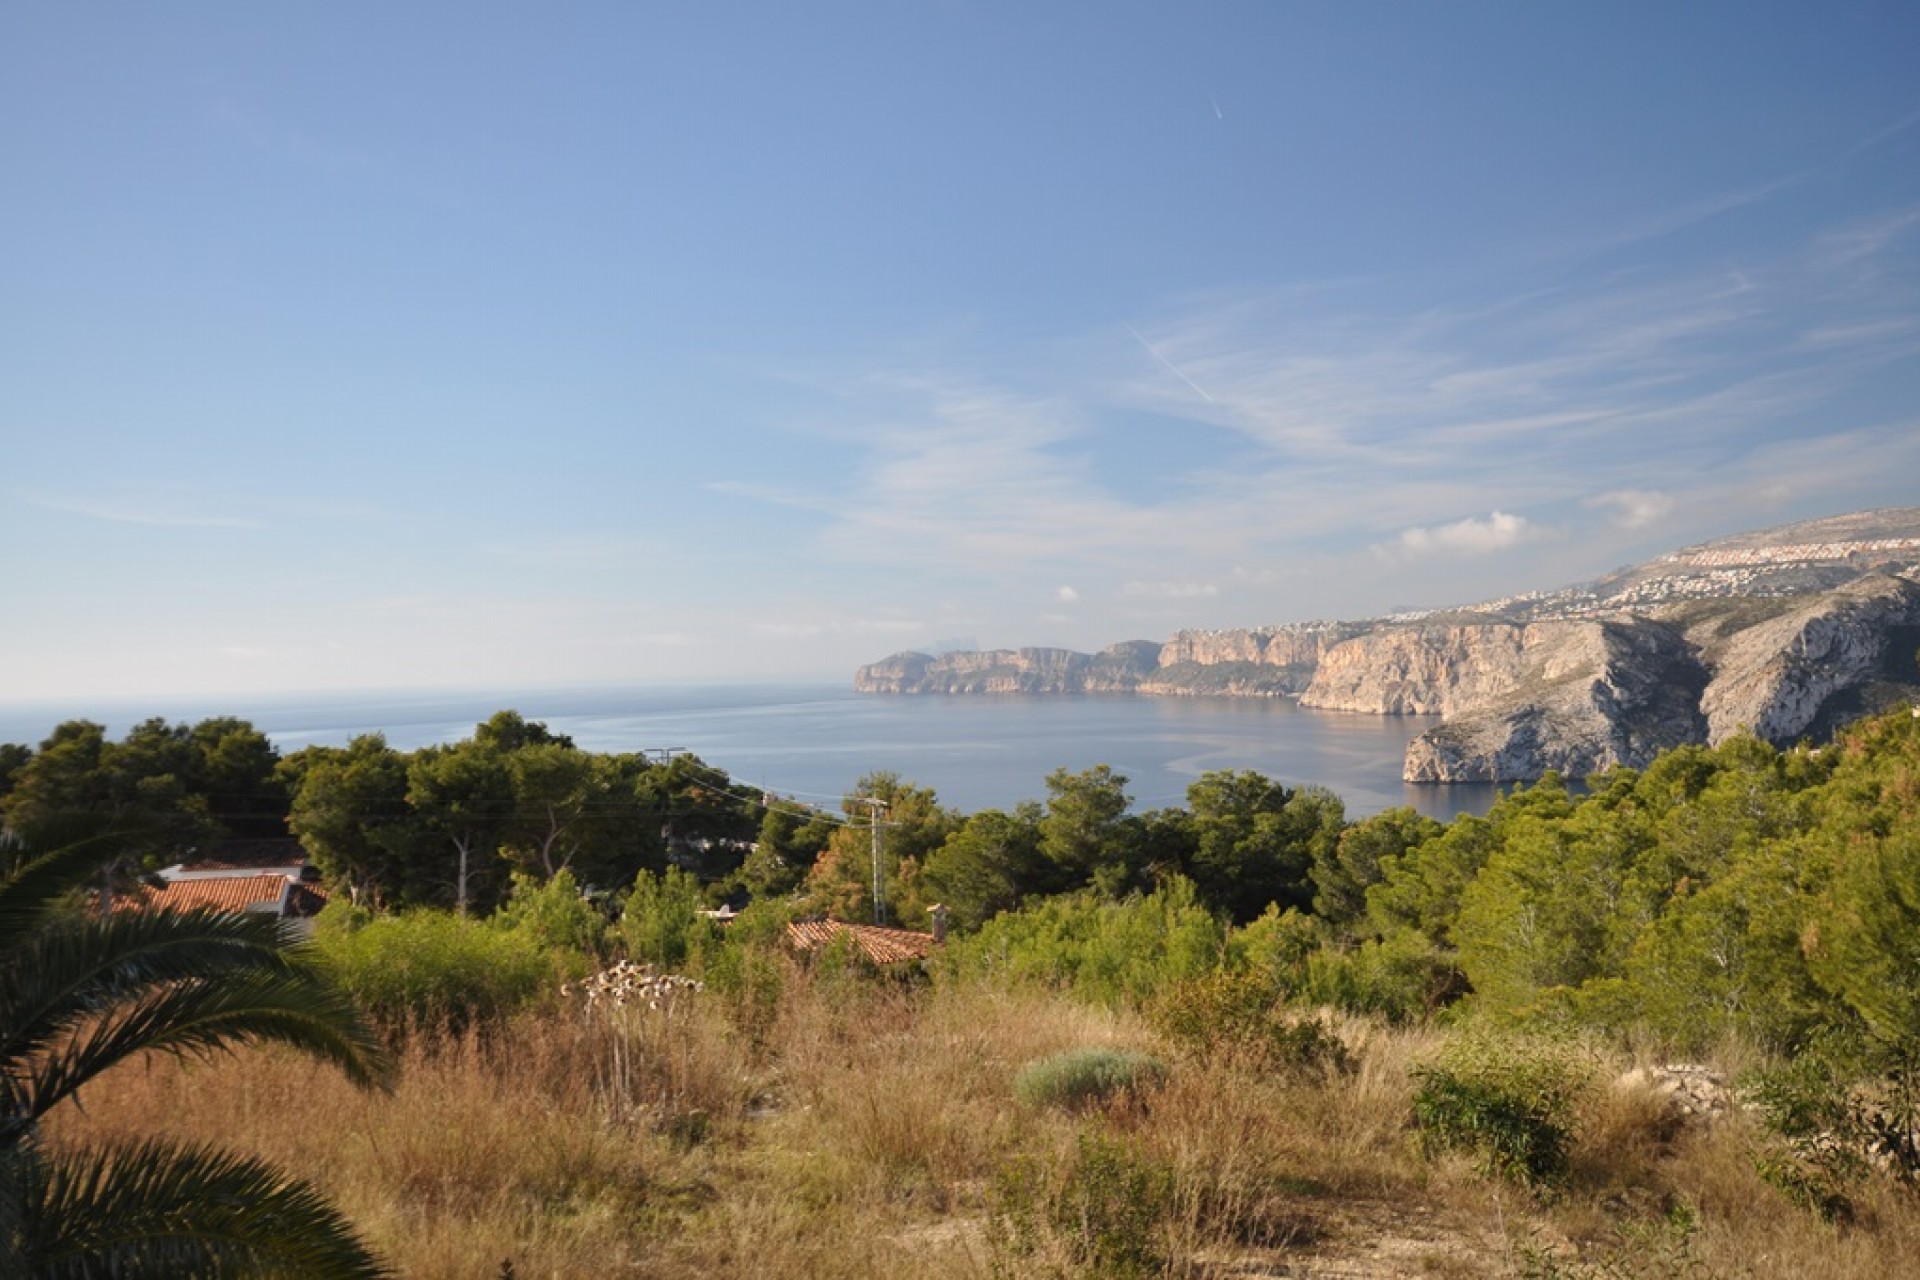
(1786, 633)
(1119, 668)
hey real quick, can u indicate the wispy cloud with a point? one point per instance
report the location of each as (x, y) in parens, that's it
(1169, 590)
(126, 513)
(1580, 413)
(1634, 508)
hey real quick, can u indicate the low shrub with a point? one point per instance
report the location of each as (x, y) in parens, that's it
(1087, 1077)
(1836, 1112)
(1510, 1101)
(1104, 1212)
(1242, 1013)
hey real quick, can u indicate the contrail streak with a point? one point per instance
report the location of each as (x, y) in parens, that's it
(1171, 367)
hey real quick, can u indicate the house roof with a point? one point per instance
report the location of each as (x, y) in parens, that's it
(878, 944)
(225, 893)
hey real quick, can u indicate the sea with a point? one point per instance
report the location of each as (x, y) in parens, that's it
(813, 742)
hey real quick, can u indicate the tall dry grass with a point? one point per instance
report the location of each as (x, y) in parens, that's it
(871, 1130)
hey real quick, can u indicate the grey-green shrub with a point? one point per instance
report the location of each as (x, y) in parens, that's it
(1086, 1077)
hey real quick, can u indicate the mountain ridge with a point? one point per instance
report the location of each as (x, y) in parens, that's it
(1787, 632)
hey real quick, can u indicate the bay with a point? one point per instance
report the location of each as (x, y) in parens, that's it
(814, 741)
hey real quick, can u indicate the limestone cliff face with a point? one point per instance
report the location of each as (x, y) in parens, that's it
(1423, 670)
(1118, 669)
(1778, 677)
(1586, 696)
(1264, 662)
(1299, 646)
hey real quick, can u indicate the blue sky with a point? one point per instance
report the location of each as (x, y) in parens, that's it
(368, 346)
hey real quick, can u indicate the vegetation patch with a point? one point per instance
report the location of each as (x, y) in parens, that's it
(1088, 1077)
(1510, 1102)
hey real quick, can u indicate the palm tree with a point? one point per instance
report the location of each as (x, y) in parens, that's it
(81, 992)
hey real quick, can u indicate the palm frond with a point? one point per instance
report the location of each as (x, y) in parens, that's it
(69, 970)
(156, 1209)
(35, 884)
(199, 1017)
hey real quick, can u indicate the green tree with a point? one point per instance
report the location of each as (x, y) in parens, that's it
(351, 814)
(1344, 870)
(1085, 833)
(13, 758)
(913, 827)
(791, 839)
(236, 768)
(464, 794)
(80, 993)
(989, 865)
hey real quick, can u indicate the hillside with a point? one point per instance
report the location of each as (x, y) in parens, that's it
(1790, 631)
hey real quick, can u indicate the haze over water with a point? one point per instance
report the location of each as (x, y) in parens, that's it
(814, 741)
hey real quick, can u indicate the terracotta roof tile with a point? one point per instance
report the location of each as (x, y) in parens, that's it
(226, 893)
(880, 945)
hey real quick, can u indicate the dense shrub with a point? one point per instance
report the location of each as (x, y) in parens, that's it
(1835, 1112)
(433, 967)
(662, 922)
(1509, 1101)
(554, 914)
(1087, 1077)
(1242, 1013)
(1104, 951)
(1104, 1213)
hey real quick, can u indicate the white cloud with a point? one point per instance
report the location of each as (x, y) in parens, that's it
(1634, 508)
(1067, 594)
(1471, 536)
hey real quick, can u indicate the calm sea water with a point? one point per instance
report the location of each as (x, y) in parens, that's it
(814, 741)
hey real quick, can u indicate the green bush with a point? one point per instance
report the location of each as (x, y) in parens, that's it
(662, 922)
(433, 967)
(1105, 1213)
(1087, 1077)
(554, 915)
(745, 967)
(1836, 1111)
(1104, 951)
(1241, 1012)
(1510, 1101)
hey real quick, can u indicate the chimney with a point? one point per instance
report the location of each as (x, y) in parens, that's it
(939, 916)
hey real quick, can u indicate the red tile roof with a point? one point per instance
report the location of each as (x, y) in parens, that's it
(880, 945)
(223, 893)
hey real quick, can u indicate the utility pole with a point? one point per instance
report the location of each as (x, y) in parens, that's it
(876, 810)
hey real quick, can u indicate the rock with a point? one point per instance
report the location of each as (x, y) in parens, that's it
(1777, 678)
(1585, 697)
(1691, 1093)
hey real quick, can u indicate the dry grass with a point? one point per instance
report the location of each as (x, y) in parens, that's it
(870, 1132)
